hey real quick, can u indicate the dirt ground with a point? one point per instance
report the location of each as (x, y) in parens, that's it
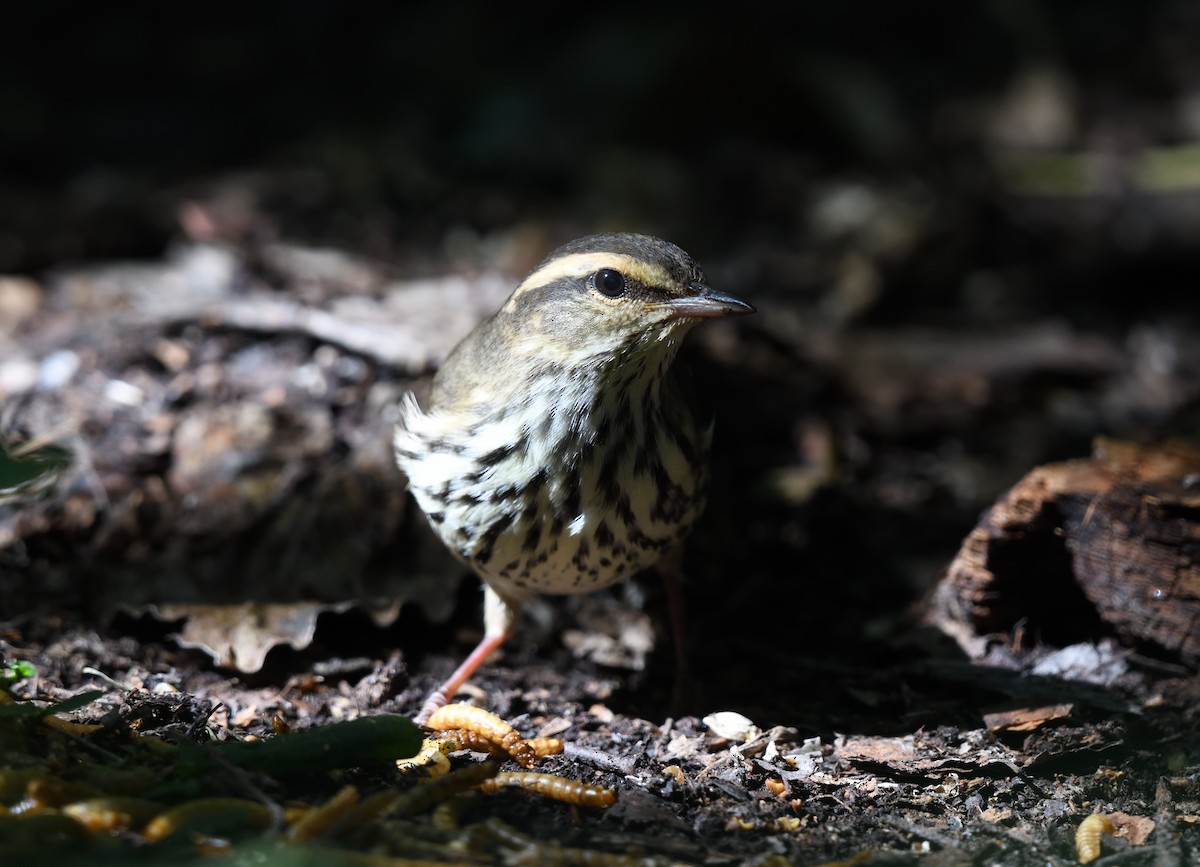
(822, 718)
(908, 773)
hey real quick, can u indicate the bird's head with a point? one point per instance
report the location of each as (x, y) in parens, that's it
(610, 296)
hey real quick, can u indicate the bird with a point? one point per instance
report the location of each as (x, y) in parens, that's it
(558, 453)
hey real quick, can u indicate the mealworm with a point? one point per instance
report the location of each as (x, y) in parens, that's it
(430, 759)
(206, 812)
(486, 725)
(317, 821)
(552, 786)
(109, 815)
(1087, 836)
(420, 798)
(445, 815)
(367, 810)
(66, 727)
(51, 792)
(465, 739)
(543, 747)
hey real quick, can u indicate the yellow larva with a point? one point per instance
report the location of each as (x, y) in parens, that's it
(109, 815)
(420, 798)
(486, 725)
(543, 747)
(207, 812)
(445, 815)
(465, 739)
(430, 759)
(552, 786)
(314, 823)
(1087, 837)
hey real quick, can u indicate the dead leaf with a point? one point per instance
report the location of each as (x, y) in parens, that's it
(240, 636)
(1135, 829)
(1025, 719)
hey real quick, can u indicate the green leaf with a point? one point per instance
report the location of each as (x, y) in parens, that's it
(362, 742)
(25, 708)
(20, 669)
(27, 475)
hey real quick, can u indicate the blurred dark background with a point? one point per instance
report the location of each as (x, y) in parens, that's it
(387, 128)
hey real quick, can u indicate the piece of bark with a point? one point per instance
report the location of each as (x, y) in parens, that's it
(1084, 549)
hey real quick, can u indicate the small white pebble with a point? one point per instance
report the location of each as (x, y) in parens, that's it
(732, 725)
(17, 376)
(57, 369)
(124, 393)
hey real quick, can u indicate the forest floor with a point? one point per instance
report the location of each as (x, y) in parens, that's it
(232, 467)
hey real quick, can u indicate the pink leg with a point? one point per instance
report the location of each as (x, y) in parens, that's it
(499, 615)
(441, 696)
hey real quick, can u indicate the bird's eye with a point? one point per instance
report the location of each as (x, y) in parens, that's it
(609, 282)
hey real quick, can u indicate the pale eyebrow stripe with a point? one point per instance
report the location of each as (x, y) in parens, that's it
(580, 264)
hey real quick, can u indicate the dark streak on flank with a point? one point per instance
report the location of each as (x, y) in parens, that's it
(683, 443)
(569, 508)
(625, 511)
(532, 537)
(504, 493)
(608, 482)
(499, 453)
(489, 537)
(666, 487)
(602, 429)
(534, 486)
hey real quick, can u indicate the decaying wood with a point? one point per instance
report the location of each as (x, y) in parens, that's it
(1106, 546)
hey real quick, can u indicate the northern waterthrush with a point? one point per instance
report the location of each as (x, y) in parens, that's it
(558, 454)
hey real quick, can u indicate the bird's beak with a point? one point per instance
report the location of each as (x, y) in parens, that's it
(707, 302)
